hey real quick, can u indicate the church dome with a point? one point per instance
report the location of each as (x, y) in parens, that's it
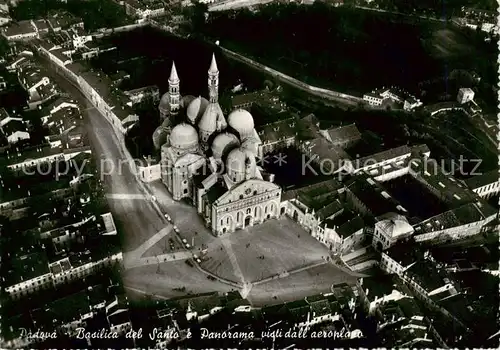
(251, 145)
(164, 105)
(196, 108)
(395, 225)
(240, 164)
(241, 121)
(159, 137)
(183, 136)
(166, 124)
(212, 119)
(186, 100)
(222, 143)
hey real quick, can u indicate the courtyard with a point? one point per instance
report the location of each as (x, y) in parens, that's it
(272, 248)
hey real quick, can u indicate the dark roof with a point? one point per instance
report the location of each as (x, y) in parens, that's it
(3, 113)
(22, 27)
(381, 156)
(282, 129)
(377, 286)
(483, 179)
(26, 267)
(352, 226)
(14, 126)
(69, 308)
(41, 24)
(451, 190)
(405, 253)
(343, 134)
(330, 209)
(215, 192)
(369, 192)
(314, 190)
(251, 97)
(463, 215)
(426, 274)
(323, 149)
(119, 317)
(409, 307)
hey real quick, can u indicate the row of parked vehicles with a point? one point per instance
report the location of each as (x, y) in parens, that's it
(176, 230)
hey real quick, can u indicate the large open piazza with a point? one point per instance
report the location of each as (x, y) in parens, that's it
(270, 263)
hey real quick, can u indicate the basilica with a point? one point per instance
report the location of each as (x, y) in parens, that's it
(211, 161)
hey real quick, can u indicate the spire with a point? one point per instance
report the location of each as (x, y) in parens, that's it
(173, 74)
(213, 65)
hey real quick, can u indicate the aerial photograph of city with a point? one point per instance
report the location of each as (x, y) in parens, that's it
(249, 174)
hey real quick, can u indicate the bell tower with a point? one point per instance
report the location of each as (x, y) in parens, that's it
(173, 91)
(213, 81)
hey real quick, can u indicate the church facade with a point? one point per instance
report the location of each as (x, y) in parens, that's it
(211, 161)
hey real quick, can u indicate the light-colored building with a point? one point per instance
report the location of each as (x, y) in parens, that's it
(15, 130)
(98, 88)
(455, 224)
(376, 291)
(385, 159)
(31, 272)
(145, 8)
(389, 229)
(212, 162)
(373, 99)
(411, 103)
(138, 95)
(465, 95)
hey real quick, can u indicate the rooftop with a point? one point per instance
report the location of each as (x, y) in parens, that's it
(41, 24)
(466, 214)
(452, 191)
(17, 28)
(405, 253)
(382, 156)
(483, 179)
(26, 267)
(348, 133)
(350, 227)
(250, 97)
(373, 195)
(425, 273)
(273, 132)
(331, 155)
(13, 126)
(376, 287)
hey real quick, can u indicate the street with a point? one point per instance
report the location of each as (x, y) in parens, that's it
(150, 270)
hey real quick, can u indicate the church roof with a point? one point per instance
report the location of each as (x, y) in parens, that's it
(211, 118)
(196, 108)
(174, 78)
(187, 159)
(395, 225)
(213, 65)
(159, 137)
(215, 192)
(164, 102)
(241, 121)
(183, 136)
(222, 142)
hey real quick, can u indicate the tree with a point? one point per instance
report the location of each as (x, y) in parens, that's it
(198, 17)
